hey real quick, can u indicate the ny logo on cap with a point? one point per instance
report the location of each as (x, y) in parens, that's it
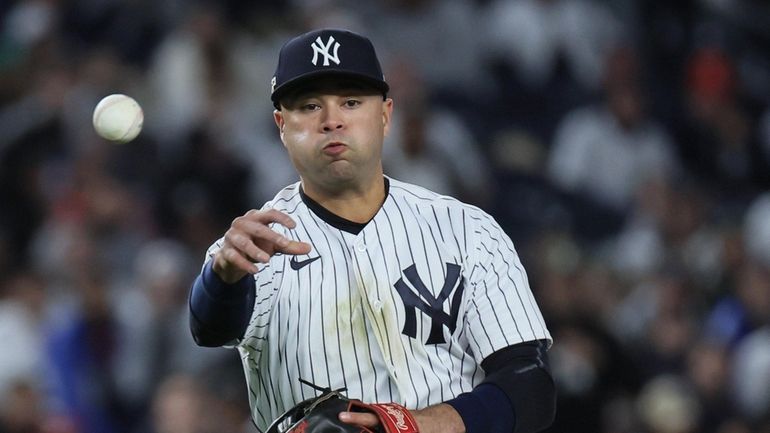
(320, 48)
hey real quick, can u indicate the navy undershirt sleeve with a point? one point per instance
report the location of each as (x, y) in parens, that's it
(486, 409)
(220, 312)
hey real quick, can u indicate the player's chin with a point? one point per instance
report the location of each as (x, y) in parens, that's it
(342, 171)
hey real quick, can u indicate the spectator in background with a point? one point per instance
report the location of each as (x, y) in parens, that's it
(756, 229)
(669, 227)
(751, 375)
(180, 406)
(190, 77)
(745, 306)
(668, 405)
(546, 57)
(22, 410)
(595, 374)
(82, 350)
(187, 404)
(22, 317)
(537, 37)
(708, 373)
(742, 310)
(95, 228)
(414, 30)
(152, 324)
(433, 148)
(716, 134)
(205, 82)
(202, 188)
(607, 152)
(30, 134)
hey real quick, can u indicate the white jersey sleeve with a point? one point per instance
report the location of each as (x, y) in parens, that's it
(501, 309)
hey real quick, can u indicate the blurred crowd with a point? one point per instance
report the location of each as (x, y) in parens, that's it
(624, 146)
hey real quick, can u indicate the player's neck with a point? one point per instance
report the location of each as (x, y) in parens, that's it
(358, 205)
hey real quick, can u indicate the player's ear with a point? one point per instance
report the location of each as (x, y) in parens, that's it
(279, 122)
(387, 112)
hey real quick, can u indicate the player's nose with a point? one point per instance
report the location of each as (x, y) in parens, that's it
(332, 119)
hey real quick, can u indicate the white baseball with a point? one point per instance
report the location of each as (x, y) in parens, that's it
(118, 118)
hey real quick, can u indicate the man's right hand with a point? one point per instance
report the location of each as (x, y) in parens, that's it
(250, 240)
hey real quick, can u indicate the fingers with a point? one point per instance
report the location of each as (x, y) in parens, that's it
(360, 418)
(269, 216)
(250, 240)
(237, 261)
(255, 237)
(296, 248)
(231, 266)
(245, 244)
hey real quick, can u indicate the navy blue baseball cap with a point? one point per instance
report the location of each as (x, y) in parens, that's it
(326, 52)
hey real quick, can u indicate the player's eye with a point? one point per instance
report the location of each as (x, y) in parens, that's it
(350, 103)
(310, 106)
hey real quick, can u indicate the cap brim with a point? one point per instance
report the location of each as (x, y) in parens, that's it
(305, 79)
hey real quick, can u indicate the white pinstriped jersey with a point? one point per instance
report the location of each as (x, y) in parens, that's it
(403, 311)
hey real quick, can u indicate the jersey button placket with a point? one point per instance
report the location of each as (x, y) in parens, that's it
(377, 305)
(374, 302)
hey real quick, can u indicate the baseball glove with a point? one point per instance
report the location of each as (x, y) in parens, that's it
(321, 415)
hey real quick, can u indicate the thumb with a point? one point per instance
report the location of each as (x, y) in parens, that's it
(359, 418)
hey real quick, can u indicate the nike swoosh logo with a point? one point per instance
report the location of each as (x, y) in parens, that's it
(297, 265)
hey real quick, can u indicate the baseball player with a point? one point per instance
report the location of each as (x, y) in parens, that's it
(351, 279)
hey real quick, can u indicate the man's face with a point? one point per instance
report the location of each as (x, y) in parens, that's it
(334, 133)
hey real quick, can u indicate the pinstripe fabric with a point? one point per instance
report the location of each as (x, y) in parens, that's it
(341, 322)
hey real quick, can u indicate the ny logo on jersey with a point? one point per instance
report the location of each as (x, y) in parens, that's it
(430, 305)
(320, 48)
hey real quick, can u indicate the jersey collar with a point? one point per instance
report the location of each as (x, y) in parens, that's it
(332, 219)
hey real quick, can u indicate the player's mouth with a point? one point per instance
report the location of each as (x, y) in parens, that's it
(334, 149)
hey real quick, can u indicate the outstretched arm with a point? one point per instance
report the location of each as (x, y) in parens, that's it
(222, 296)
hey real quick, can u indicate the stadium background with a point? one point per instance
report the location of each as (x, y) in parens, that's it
(624, 145)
